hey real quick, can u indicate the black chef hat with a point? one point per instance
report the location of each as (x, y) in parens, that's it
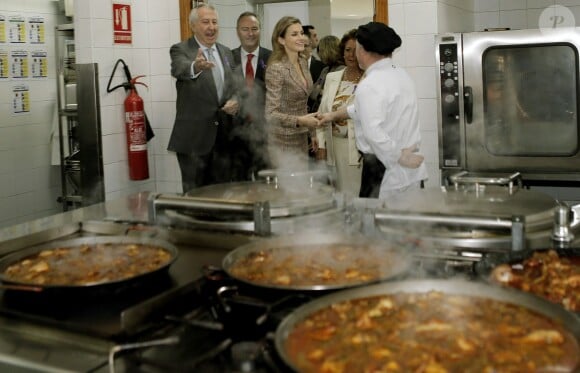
(378, 37)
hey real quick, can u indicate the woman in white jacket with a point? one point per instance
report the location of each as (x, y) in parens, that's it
(337, 142)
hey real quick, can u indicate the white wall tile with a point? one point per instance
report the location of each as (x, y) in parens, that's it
(140, 11)
(33, 156)
(82, 9)
(420, 50)
(158, 10)
(102, 30)
(161, 139)
(114, 148)
(454, 19)
(229, 37)
(174, 32)
(169, 187)
(7, 162)
(84, 55)
(576, 13)
(8, 137)
(101, 10)
(160, 61)
(158, 34)
(531, 4)
(434, 180)
(140, 63)
(424, 79)
(420, 18)
(162, 88)
(163, 114)
(428, 114)
(486, 20)
(166, 170)
(397, 17)
(514, 19)
(512, 5)
(141, 35)
(486, 5)
(7, 188)
(567, 3)
(112, 120)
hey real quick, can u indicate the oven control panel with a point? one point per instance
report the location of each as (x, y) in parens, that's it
(449, 101)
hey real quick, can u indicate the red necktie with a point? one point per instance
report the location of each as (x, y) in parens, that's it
(249, 71)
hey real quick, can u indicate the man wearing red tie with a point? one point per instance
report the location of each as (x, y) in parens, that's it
(250, 132)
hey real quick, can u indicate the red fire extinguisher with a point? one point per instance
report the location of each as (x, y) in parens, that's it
(136, 137)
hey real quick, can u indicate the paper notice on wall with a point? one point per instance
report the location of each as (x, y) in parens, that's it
(16, 30)
(4, 65)
(19, 64)
(36, 31)
(20, 99)
(2, 29)
(38, 64)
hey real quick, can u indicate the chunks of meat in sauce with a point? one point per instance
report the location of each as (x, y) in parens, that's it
(87, 264)
(331, 264)
(430, 332)
(545, 274)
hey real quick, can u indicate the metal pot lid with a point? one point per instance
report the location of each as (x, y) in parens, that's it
(488, 202)
(288, 198)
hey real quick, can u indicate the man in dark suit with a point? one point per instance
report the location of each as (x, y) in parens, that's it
(314, 65)
(312, 34)
(250, 134)
(205, 104)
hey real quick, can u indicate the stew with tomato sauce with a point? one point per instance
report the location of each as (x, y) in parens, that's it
(430, 332)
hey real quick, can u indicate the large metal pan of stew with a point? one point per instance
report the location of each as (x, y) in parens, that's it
(430, 326)
(316, 262)
(86, 262)
(553, 274)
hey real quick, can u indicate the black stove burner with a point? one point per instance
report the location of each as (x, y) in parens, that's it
(231, 330)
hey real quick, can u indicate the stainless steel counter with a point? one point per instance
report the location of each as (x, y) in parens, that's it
(29, 346)
(131, 208)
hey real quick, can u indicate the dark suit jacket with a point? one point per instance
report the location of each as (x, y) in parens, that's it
(259, 90)
(263, 56)
(249, 132)
(198, 112)
(315, 69)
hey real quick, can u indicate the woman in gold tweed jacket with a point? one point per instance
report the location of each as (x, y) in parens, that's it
(288, 84)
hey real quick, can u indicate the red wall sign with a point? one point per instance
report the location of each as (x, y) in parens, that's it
(122, 33)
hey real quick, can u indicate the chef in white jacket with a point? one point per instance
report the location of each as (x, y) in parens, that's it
(384, 111)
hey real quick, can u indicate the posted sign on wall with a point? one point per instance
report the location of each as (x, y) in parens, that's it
(122, 33)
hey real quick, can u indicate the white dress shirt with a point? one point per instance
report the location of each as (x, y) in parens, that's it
(244, 59)
(386, 121)
(217, 56)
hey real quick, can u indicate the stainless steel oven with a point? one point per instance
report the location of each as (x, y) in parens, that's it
(508, 101)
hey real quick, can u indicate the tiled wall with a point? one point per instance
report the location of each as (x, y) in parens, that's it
(155, 29)
(29, 185)
(518, 14)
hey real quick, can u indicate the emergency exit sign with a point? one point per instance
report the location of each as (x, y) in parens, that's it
(122, 33)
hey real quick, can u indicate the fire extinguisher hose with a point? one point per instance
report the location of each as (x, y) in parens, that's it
(149, 134)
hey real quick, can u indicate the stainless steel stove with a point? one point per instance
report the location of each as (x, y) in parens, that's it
(194, 318)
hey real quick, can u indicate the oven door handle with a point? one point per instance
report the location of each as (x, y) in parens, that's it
(468, 103)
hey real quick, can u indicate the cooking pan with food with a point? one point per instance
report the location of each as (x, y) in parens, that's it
(80, 264)
(430, 325)
(316, 262)
(552, 274)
